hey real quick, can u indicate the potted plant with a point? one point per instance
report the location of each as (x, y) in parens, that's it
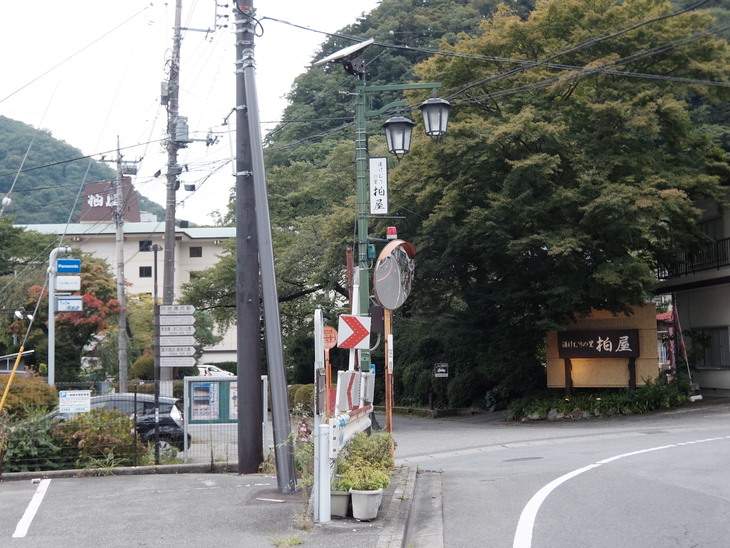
(365, 465)
(340, 496)
(368, 483)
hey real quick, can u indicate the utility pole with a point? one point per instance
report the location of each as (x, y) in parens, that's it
(173, 171)
(248, 297)
(119, 248)
(253, 175)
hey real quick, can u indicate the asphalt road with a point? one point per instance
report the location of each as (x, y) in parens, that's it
(659, 480)
(651, 481)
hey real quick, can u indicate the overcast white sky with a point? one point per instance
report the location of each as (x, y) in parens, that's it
(90, 71)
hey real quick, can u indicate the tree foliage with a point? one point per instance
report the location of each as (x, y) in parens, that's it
(585, 136)
(561, 190)
(76, 332)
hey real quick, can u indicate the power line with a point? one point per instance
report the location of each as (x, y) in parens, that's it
(87, 46)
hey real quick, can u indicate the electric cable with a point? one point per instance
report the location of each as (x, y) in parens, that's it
(87, 46)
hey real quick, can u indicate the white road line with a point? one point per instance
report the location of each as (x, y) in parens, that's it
(22, 528)
(523, 535)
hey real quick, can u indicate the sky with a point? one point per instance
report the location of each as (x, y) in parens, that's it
(90, 72)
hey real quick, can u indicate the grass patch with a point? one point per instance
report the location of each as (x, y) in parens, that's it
(288, 541)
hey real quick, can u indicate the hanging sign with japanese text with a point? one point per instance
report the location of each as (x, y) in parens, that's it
(606, 343)
(378, 186)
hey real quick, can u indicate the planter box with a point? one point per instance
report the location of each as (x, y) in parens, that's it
(339, 503)
(365, 504)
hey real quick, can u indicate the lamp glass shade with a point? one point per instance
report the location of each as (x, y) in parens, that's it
(398, 133)
(435, 116)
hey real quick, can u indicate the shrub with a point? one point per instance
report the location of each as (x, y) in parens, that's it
(4, 430)
(659, 394)
(374, 450)
(468, 388)
(92, 437)
(30, 445)
(304, 400)
(291, 391)
(366, 478)
(366, 460)
(27, 393)
(143, 369)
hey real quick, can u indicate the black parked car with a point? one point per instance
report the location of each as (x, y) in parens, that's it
(171, 416)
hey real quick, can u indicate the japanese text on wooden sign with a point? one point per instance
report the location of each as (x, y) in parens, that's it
(606, 343)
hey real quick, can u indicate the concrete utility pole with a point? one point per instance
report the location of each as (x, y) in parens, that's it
(121, 294)
(258, 228)
(173, 170)
(248, 297)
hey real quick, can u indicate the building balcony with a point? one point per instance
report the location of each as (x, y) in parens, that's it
(712, 257)
(709, 266)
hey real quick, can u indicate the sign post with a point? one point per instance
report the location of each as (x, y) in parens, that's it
(175, 348)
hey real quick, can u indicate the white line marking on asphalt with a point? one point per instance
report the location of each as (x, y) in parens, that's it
(22, 528)
(523, 535)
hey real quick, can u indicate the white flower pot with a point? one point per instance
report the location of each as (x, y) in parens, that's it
(365, 504)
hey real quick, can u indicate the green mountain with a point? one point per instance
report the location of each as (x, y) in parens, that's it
(47, 187)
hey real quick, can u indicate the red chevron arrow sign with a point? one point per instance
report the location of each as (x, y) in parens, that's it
(354, 332)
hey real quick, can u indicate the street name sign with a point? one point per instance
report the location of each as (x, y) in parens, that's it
(177, 330)
(176, 341)
(176, 309)
(177, 351)
(177, 320)
(178, 361)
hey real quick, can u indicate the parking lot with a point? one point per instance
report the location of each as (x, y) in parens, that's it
(147, 510)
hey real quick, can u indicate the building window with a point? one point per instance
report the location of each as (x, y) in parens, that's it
(145, 271)
(145, 245)
(194, 275)
(196, 252)
(709, 346)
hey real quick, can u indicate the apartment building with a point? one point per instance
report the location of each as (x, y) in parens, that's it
(700, 286)
(196, 249)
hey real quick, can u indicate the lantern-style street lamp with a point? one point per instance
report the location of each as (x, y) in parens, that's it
(398, 133)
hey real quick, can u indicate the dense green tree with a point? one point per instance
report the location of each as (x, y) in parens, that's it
(22, 265)
(584, 136)
(321, 102)
(561, 189)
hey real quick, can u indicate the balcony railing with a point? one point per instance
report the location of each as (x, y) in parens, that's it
(712, 257)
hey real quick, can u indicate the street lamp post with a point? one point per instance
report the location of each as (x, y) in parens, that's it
(398, 131)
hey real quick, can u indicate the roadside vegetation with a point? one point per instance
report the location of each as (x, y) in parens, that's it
(94, 442)
(585, 403)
